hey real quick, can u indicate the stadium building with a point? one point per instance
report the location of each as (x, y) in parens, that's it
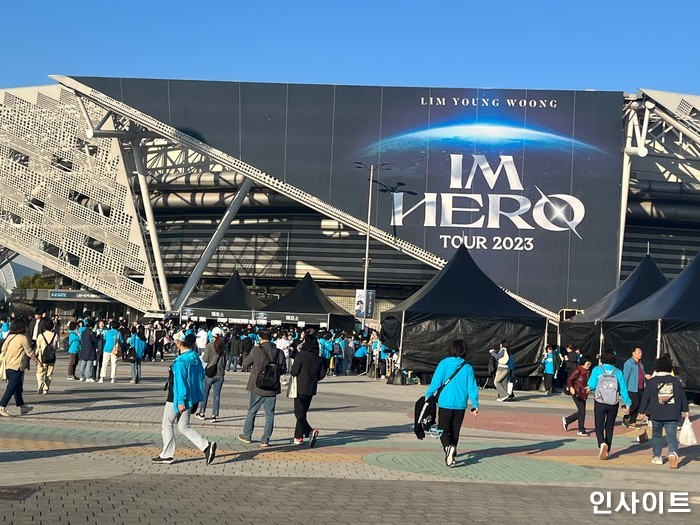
(153, 192)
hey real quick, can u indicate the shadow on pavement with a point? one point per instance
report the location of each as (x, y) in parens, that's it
(7, 457)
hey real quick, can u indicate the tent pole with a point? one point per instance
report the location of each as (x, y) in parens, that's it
(403, 318)
(601, 341)
(658, 340)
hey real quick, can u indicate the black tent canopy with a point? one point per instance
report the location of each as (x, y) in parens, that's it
(668, 320)
(584, 329)
(307, 304)
(233, 303)
(462, 302)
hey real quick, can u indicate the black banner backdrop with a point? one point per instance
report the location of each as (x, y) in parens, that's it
(528, 180)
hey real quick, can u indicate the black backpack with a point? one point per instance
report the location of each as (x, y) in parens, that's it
(269, 376)
(48, 354)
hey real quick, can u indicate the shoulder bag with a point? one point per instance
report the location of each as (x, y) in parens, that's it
(439, 390)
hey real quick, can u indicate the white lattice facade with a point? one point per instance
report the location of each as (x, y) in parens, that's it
(65, 200)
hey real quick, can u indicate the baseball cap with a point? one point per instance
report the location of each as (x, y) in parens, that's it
(180, 336)
(216, 331)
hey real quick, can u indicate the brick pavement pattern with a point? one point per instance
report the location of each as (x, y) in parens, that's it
(87, 449)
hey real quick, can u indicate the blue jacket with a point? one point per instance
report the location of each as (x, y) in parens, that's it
(361, 352)
(549, 363)
(110, 335)
(597, 371)
(460, 390)
(139, 346)
(73, 342)
(326, 348)
(188, 378)
(630, 373)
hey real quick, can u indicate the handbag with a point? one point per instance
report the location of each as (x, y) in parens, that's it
(643, 436)
(3, 373)
(686, 436)
(211, 371)
(292, 388)
(117, 350)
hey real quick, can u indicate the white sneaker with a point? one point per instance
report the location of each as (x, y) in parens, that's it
(4, 412)
(565, 424)
(82, 379)
(673, 460)
(113, 381)
(657, 460)
(450, 457)
(90, 380)
(101, 380)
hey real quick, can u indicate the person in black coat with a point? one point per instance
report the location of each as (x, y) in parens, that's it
(309, 369)
(88, 353)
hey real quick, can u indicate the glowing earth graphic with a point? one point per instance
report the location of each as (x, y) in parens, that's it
(463, 137)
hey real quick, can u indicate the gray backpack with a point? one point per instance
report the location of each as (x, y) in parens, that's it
(607, 390)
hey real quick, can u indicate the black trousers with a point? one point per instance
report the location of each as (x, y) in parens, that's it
(636, 398)
(604, 416)
(301, 409)
(450, 422)
(548, 382)
(579, 415)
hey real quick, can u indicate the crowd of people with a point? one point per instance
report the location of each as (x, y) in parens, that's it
(203, 354)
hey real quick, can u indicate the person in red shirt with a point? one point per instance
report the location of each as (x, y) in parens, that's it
(576, 386)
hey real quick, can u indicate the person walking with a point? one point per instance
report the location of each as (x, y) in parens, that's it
(185, 377)
(74, 344)
(609, 386)
(502, 358)
(663, 402)
(635, 379)
(263, 356)
(17, 352)
(215, 358)
(454, 385)
(307, 370)
(576, 386)
(45, 365)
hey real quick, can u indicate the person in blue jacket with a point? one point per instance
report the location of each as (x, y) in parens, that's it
(550, 369)
(137, 341)
(454, 397)
(604, 414)
(185, 380)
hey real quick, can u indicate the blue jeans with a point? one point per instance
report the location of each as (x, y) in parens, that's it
(256, 401)
(217, 382)
(657, 428)
(15, 382)
(85, 369)
(136, 371)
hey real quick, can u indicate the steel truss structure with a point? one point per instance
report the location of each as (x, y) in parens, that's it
(661, 180)
(91, 188)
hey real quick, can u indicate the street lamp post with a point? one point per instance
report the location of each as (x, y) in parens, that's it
(371, 169)
(393, 190)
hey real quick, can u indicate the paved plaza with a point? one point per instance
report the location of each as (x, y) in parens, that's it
(83, 455)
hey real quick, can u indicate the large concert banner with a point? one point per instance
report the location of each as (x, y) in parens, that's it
(528, 180)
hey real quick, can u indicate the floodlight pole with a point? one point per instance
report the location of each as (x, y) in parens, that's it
(369, 218)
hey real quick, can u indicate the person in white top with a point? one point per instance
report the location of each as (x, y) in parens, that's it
(202, 340)
(283, 343)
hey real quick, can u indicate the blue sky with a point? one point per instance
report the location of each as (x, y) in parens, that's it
(603, 45)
